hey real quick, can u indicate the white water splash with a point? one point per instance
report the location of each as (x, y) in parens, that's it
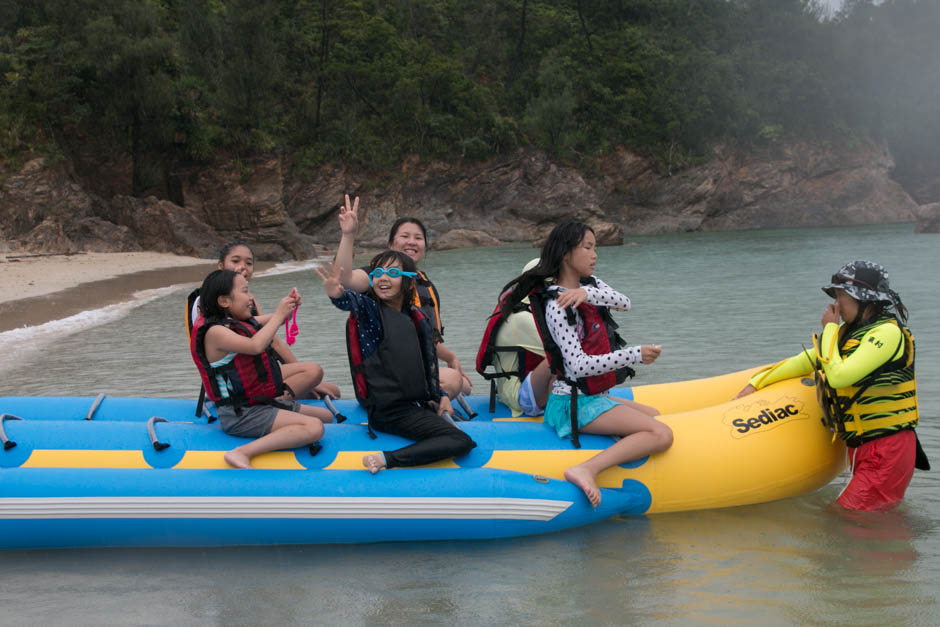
(293, 266)
(30, 339)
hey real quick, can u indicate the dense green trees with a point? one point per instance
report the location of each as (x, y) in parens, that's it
(368, 81)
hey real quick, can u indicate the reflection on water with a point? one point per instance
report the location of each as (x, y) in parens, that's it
(717, 302)
(792, 562)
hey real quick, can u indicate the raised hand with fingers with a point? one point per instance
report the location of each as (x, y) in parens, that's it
(331, 279)
(349, 216)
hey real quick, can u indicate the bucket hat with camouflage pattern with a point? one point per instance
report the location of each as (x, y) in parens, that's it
(865, 281)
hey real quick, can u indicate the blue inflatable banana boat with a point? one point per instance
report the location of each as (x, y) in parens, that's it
(86, 471)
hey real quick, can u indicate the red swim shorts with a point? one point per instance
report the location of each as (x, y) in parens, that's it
(881, 470)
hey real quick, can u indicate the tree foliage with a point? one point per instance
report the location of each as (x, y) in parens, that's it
(366, 82)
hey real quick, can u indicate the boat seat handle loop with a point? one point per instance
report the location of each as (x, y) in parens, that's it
(151, 431)
(94, 407)
(7, 443)
(338, 417)
(466, 407)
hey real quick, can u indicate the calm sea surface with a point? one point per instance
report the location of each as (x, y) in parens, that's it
(717, 302)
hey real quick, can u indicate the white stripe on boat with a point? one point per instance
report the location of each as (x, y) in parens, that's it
(282, 507)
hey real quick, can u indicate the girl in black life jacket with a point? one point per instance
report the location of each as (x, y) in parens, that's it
(227, 364)
(394, 364)
(407, 236)
(566, 263)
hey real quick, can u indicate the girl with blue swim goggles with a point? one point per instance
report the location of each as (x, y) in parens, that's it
(392, 272)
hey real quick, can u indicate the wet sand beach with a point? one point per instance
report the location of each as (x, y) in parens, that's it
(35, 290)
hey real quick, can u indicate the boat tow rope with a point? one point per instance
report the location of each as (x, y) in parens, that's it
(7, 443)
(94, 407)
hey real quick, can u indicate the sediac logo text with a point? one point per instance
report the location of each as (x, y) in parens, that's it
(757, 419)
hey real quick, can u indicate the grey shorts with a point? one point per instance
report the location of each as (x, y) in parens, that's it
(254, 421)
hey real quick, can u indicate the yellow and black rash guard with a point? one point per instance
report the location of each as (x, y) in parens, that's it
(849, 360)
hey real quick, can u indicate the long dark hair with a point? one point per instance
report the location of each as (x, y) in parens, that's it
(563, 239)
(217, 283)
(406, 263)
(397, 225)
(225, 250)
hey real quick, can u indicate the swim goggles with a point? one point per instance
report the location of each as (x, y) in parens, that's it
(393, 273)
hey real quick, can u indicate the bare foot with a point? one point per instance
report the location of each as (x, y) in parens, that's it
(237, 459)
(582, 478)
(374, 462)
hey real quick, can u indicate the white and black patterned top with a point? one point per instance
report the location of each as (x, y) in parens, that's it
(568, 338)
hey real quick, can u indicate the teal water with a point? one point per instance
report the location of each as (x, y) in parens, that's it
(717, 302)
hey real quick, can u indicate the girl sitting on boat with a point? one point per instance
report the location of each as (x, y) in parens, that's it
(394, 363)
(232, 350)
(407, 236)
(570, 308)
(239, 257)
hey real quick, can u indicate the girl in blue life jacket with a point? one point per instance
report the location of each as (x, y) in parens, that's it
(394, 363)
(569, 305)
(232, 350)
(238, 256)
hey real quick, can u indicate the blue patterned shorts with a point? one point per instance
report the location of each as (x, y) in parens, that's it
(558, 411)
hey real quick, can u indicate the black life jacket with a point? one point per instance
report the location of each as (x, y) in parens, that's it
(254, 379)
(403, 368)
(488, 352)
(600, 338)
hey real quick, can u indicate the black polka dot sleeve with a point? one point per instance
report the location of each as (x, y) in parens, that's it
(605, 296)
(578, 363)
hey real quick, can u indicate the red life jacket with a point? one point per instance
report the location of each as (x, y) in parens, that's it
(489, 350)
(600, 338)
(253, 379)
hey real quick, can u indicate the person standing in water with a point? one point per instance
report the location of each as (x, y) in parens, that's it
(865, 376)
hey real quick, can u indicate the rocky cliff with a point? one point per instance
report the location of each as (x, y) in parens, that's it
(517, 198)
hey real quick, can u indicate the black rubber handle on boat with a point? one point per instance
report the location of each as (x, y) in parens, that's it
(7, 443)
(151, 431)
(466, 407)
(94, 407)
(338, 417)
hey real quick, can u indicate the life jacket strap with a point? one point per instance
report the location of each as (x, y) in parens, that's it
(902, 404)
(859, 426)
(575, 440)
(882, 390)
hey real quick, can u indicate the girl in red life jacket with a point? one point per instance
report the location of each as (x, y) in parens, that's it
(394, 364)
(231, 348)
(308, 382)
(566, 263)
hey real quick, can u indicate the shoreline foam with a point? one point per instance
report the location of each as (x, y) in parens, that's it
(92, 302)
